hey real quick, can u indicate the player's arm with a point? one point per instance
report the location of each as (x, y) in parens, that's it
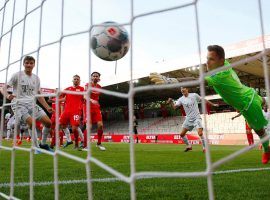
(172, 104)
(53, 100)
(44, 103)
(212, 104)
(91, 100)
(62, 99)
(199, 99)
(238, 115)
(160, 79)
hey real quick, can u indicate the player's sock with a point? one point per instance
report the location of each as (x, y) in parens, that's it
(265, 144)
(29, 135)
(85, 139)
(34, 138)
(45, 132)
(67, 133)
(8, 134)
(21, 136)
(53, 138)
(203, 141)
(76, 138)
(80, 134)
(250, 138)
(100, 133)
(185, 139)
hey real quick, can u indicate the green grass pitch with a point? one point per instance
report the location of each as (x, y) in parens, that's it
(149, 157)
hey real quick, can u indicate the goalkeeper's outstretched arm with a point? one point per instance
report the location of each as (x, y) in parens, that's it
(160, 79)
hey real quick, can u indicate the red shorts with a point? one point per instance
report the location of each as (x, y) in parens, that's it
(72, 118)
(95, 116)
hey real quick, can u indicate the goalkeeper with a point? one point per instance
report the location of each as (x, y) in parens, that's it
(245, 99)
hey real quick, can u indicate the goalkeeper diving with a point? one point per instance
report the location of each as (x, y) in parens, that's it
(227, 84)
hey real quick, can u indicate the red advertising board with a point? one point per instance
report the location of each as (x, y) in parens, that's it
(148, 138)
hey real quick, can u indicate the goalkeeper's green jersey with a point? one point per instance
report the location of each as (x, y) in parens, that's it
(227, 84)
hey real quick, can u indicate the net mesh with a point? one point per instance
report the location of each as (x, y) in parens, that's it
(10, 21)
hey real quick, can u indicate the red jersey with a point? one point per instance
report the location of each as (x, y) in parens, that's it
(74, 102)
(94, 95)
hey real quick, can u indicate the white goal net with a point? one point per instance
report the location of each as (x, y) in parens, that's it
(57, 34)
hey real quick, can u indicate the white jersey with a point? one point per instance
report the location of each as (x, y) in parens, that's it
(190, 104)
(24, 86)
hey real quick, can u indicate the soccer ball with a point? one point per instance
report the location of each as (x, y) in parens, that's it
(109, 42)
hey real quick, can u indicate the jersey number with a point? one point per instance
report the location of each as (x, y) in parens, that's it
(76, 117)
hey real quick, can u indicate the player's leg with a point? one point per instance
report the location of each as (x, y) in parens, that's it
(100, 133)
(85, 139)
(257, 124)
(81, 136)
(9, 129)
(21, 135)
(53, 135)
(27, 118)
(18, 134)
(19, 112)
(200, 133)
(136, 134)
(76, 136)
(67, 133)
(53, 138)
(75, 122)
(33, 136)
(96, 117)
(85, 130)
(185, 129)
(266, 151)
(46, 121)
(199, 127)
(249, 135)
(8, 134)
(63, 121)
(28, 139)
(52, 131)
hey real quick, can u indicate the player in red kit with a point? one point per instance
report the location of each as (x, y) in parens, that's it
(53, 119)
(73, 109)
(96, 117)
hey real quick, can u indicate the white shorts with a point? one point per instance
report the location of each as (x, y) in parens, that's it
(24, 112)
(190, 124)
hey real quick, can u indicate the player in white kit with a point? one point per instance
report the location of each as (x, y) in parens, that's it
(190, 101)
(10, 124)
(25, 86)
